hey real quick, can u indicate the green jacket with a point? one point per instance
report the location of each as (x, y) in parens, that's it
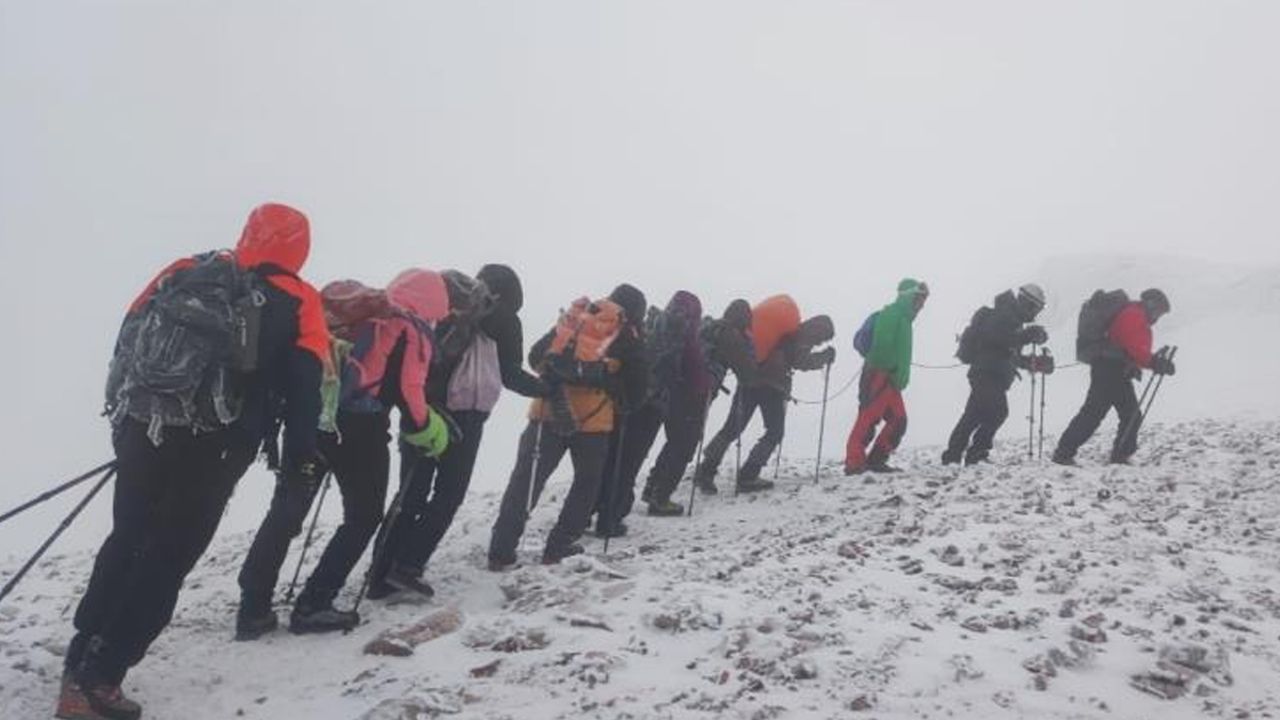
(891, 340)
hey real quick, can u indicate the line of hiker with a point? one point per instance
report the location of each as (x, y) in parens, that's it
(228, 354)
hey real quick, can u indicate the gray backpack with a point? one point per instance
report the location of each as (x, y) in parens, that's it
(182, 358)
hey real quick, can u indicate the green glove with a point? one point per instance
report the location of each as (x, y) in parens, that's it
(433, 439)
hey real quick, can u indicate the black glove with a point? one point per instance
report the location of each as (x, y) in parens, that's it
(1042, 364)
(1033, 335)
(1162, 365)
(826, 356)
(307, 473)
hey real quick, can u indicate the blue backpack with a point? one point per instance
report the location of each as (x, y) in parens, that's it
(866, 335)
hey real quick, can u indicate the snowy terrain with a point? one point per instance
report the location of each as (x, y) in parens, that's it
(1018, 590)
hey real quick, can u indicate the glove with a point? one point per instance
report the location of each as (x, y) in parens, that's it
(827, 356)
(1162, 365)
(1042, 364)
(433, 439)
(1034, 335)
(307, 473)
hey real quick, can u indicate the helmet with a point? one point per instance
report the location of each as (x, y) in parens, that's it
(1032, 294)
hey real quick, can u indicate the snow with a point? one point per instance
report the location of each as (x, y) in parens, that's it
(1014, 590)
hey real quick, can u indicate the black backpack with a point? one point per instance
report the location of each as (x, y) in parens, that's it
(182, 358)
(967, 348)
(1096, 316)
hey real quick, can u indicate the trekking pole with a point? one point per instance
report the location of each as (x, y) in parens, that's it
(1031, 413)
(1044, 382)
(1145, 401)
(384, 530)
(614, 485)
(822, 422)
(697, 460)
(533, 469)
(311, 531)
(58, 490)
(777, 461)
(62, 527)
(741, 427)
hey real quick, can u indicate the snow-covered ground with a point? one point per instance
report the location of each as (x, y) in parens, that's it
(1016, 590)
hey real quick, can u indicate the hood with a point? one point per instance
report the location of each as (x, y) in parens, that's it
(816, 330)
(738, 315)
(421, 293)
(632, 302)
(911, 295)
(505, 284)
(468, 297)
(686, 305)
(277, 235)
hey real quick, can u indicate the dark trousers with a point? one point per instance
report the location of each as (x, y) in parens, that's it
(167, 504)
(772, 404)
(361, 462)
(587, 451)
(290, 504)
(1109, 387)
(984, 413)
(683, 428)
(642, 428)
(431, 491)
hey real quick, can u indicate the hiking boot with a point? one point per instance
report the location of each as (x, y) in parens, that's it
(977, 460)
(850, 470)
(251, 624)
(750, 485)
(553, 556)
(618, 530)
(322, 619)
(665, 508)
(108, 701)
(380, 590)
(706, 485)
(72, 702)
(950, 458)
(646, 495)
(882, 467)
(1063, 459)
(401, 578)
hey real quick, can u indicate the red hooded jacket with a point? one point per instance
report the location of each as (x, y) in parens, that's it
(1131, 332)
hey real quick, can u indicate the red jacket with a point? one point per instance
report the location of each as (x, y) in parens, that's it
(1131, 332)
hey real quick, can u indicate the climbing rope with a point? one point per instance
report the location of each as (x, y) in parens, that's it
(923, 366)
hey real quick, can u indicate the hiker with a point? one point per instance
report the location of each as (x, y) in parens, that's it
(728, 346)
(186, 425)
(786, 345)
(594, 360)
(1115, 340)
(480, 350)
(885, 374)
(676, 398)
(385, 367)
(991, 346)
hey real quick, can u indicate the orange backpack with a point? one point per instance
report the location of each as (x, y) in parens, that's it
(771, 321)
(588, 329)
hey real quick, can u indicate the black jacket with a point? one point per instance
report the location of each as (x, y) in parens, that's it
(998, 337)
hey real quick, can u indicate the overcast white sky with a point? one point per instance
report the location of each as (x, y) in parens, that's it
(733, 148)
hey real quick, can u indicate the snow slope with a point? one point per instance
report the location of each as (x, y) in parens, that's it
(1018, 590)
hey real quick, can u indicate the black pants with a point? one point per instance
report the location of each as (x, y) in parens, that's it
(290, 504)
(431, 491)
(1109, 387)
(683, 427)
(167, 504)
(642, 428)
(984, 413)
(773, 407)
(361, 462)
(587, 450)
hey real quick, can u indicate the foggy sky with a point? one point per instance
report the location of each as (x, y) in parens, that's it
(733, 148)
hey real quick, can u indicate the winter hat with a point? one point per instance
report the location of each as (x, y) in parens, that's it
(277, 235)
(1155, 299)
(632, 301)
(504, 283)
(816, 330)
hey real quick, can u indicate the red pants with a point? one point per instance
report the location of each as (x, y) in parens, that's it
(878, 400)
